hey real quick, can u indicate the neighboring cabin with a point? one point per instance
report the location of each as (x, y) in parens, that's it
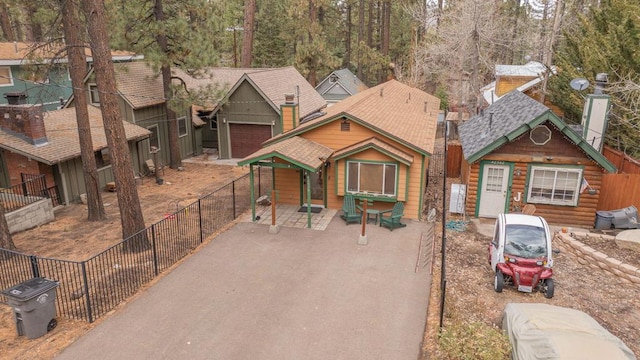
(517, 151)
(36, 80)
(34, 142)
(527, 78)
(339, 85)
(141, 101)
(375, 144)
(250, 111)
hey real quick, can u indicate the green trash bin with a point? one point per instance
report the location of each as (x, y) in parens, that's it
(34, 306)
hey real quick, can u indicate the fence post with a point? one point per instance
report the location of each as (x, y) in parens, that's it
(200, 220)
(259, 185)
(86, 292)
(153, 246)
(34, 265)
(233, 197)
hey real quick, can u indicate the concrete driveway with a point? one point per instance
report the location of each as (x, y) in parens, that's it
(298, 294)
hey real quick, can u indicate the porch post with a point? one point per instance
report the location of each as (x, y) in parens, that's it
(306, 174)
(253, 200)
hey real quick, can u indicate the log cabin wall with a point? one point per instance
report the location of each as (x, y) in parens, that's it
(522, 152)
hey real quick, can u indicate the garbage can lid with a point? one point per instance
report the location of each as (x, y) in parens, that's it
(605, 214)
(30, 288)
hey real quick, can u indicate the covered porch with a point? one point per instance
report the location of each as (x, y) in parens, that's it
(289, 216)
(304, 156)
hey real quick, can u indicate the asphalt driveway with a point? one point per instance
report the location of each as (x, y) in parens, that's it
(298, 294)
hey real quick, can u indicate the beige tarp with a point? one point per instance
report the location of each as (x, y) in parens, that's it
(542, 331)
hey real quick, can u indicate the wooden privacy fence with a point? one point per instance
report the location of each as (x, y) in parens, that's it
(622, 161)
(619, 191)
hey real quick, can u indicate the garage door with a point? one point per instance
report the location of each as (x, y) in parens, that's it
(245, 139)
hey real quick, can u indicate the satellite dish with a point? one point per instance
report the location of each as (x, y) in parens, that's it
(579, 84)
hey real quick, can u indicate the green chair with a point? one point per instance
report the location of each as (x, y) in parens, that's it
(350, 213)
(392, 221)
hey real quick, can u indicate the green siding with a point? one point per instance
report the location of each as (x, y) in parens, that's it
(47, 94)
(245, 106)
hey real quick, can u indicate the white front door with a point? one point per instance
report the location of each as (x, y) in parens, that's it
(493, 191)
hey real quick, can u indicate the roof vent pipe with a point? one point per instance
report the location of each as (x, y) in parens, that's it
(601, 82)
(490, 119)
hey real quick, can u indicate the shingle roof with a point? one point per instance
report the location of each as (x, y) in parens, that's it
(375, 143)
(406, 114)
(509, 118)
(502, 117)
(138, 84)
(15, 53)
(297, 150)
(351, 83)
(273, 83)
(62, 136)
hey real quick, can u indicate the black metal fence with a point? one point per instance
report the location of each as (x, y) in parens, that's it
(32, 188)
(90, 288)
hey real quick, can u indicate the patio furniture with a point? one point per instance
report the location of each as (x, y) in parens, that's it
(393, 220)
(350, 213)
(370, 210)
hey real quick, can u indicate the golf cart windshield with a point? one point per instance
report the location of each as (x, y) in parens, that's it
(525, 241)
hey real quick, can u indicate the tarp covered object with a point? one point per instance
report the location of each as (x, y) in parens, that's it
(542, 331)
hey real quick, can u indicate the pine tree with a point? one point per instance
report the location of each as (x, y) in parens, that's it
(606, 40)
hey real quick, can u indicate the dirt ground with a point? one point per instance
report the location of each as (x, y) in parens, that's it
(70, 236)
(470, 294)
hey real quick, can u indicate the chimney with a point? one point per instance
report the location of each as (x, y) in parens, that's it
(16, 98)
(24, 121)
(595, 114)
(289, 113)
(601, 82)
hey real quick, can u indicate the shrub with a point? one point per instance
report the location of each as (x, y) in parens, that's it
(473, 341)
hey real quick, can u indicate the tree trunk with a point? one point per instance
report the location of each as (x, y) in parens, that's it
(175, 159)
(313, 16)
(547, 57)
(249, 22)
(346, 61)
(360, 71)
(77, 70)
(6, 242)
(5, 23)
(370, 25)
(131, 215)
(34, 30)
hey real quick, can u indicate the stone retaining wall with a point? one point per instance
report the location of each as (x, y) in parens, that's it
(30, 216)
(587, 255)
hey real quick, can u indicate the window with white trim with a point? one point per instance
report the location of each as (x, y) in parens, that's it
(377, 179)
(182, 127)
(556, 186)
(94, 95)
(6, 79)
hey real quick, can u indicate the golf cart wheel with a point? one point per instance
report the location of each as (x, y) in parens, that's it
(498, 283)
(52, 324)
(548, 288)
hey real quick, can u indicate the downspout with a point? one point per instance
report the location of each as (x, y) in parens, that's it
(64, 185)
(306, 174)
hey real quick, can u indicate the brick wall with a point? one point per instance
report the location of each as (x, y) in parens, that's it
(17, 164)
(24, 121)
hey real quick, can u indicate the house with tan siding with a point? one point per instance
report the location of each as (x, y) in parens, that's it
(517, 151)
(375, 144)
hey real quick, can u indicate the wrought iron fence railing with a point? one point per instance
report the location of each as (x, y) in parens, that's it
(90, 288)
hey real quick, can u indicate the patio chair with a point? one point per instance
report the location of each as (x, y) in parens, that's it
(151, 167)
(392, 221)
(350, 213)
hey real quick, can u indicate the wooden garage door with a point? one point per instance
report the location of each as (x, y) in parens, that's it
(245, 139)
